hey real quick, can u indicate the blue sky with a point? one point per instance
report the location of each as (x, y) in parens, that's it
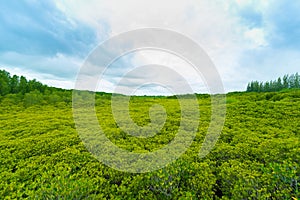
(246, 40)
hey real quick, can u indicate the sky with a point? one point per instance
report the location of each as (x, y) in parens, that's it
(245, 39)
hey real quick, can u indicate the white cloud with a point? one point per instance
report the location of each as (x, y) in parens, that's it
(57, 71)
(257, 37)
(246, 39)
(207, 22)
(150, 58)
(218, 26)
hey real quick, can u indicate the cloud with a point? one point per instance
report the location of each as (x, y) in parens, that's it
(39, 40)
(127, 67)
(207, 22)
(58, 71)
(257, 36)
(246, 39)
(61, 66)
(38, 27)
(278, 48)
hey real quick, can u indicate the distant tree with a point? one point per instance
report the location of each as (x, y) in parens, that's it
(261, 87)
(292, 81)
(4, 82)
(14, 84)
(279, 84)
(249, 89)
(256, 86)
(23, 87)
(297, 81)
(285, 81)
(17, 89)
(35, 85)
(272, 86)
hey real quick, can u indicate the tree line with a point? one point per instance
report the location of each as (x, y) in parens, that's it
(15, 84)
(20, 85)
(17, 89)
(286, 82)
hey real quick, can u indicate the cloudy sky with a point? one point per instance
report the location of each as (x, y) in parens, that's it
(246, 39)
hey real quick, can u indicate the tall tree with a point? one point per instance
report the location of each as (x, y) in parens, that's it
(279, 84)
(297, 81)
(4, 82)
(285, 81)
(14, 84)
(23, 87)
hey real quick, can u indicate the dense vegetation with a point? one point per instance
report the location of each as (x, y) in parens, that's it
(15, 84)
(256, 157)
(286, 82)
(17, 90)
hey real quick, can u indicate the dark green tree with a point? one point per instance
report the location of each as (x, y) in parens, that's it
(14, 84)
(4, 82)
(287, 82)
(279, 84)
(297, 81)
(23, 86)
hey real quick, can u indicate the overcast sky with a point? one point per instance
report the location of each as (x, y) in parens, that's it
(246, 39)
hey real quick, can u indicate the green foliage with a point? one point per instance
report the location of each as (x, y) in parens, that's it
(289, 82)
(256, 157)
(15, 84)
(4, 82)
(32, 98)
